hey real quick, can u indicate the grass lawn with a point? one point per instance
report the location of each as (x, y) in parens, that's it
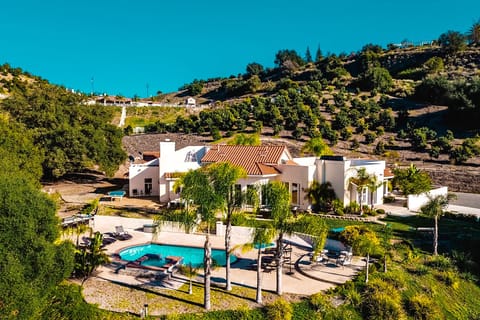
(454, 233)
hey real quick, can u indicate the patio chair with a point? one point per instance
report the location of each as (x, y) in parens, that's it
(121, 234)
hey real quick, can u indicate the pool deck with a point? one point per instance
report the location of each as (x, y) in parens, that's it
(305, 277)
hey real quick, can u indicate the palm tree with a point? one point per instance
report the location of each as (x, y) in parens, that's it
(317, 146)
(197, 190)
(434, 208)
(260, 238)
(372, 185)
(367, 244)
(474, 34)
(320, 195)
(285, 223)
(278, 198)
(224, 176)
(89, 258)
(386, 244)
(361, 181)
(191, 273)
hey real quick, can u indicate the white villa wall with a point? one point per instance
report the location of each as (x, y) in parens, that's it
(301, 175)
(415, 202)
(138, 173)
(375, 167)
(171, 161)
(304, 172)
(334, 172)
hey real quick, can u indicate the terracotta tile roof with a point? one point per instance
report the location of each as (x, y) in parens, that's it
(387, 173)
(256, 160)
(150, 155)
(291, 163)
(173, 175)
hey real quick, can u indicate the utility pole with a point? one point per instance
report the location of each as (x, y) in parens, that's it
(93, 87)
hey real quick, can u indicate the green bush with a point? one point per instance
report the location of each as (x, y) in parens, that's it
(239, 219)
(450, 278)
(302, 310)
(419, 270)
(352, 295)
(422, 307)
(68, 303)
(388, 199)
(352, 208)
(279, 310)
(337, 207)
(380, 211)
(396, 278)
(320, 303)
(440, 263)
(382, 305)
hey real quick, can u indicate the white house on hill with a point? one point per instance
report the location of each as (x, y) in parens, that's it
(262, 164)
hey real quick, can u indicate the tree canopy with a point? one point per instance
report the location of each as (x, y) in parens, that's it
(412, 180)
(69, 136)
(32, 263)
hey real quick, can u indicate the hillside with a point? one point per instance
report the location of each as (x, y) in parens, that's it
(415, 115)
(410, 120)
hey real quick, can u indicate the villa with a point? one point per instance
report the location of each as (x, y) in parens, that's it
(156, 177)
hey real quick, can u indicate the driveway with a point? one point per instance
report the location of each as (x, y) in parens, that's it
(471, 200)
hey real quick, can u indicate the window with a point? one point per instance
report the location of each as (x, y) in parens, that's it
(148, 186)
(295, 193)
(191, 156)
(362, 196)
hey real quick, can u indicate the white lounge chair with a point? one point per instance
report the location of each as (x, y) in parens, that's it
(121, 234)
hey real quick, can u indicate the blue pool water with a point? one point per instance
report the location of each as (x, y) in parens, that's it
(118, 193)
(190, 254)
(264, 245)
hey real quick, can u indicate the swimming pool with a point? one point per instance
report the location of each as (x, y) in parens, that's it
(189, 254)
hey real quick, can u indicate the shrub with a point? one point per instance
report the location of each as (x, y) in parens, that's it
(302, 310)
(396, 278)
(320, 303)
(422, 307)
(382, 306)
(352, 208)
(380, 211)
(353, 296)
(337, 207)
(68, 303)
(420, 270)
(280, 310)
(440, 263)
(239, 219)
(450, 278)
(388, 199)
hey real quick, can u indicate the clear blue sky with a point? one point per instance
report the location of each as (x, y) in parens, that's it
(125, 44)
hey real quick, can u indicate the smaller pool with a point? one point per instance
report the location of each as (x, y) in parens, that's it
(264, 245)
(191, 255)
(116, 193)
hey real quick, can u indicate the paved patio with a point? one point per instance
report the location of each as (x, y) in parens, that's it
(300, 276)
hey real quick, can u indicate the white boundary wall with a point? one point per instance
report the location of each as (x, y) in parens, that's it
(415, 202)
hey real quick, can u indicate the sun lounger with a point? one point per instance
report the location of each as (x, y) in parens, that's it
(121, 234)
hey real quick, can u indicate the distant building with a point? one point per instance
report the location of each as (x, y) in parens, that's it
(190, 102)
(113, 101)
